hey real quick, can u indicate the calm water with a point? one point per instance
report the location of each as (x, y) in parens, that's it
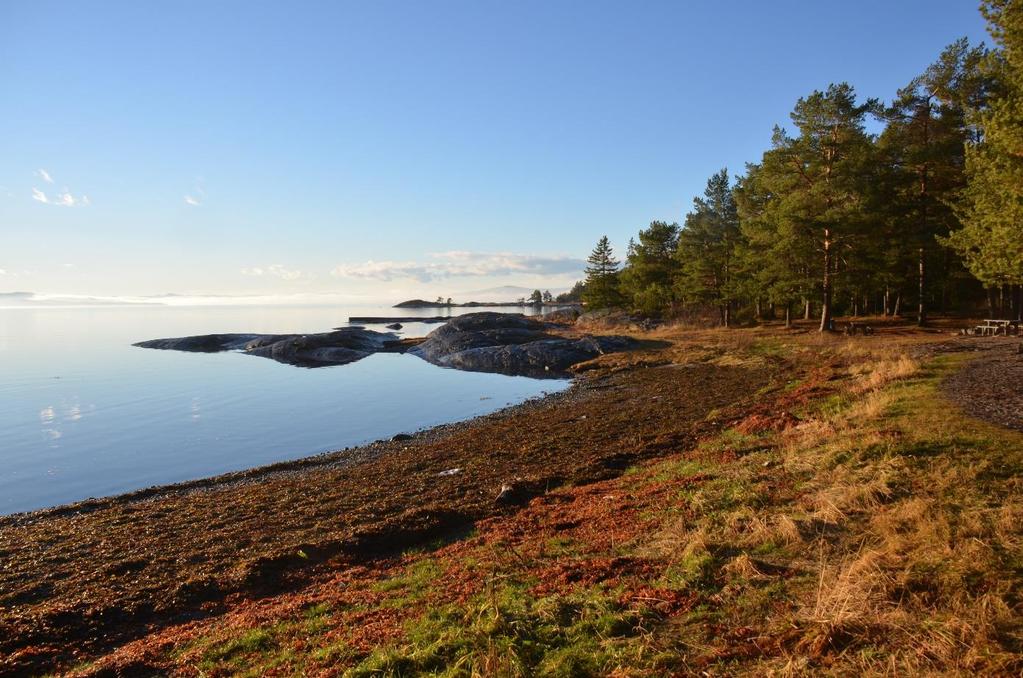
(85, 414)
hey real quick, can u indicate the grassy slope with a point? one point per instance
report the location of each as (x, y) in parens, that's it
(861, 526)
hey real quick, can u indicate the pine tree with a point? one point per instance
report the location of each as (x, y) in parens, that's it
(775, 257)
(648, 278)
(706, 249)
(817, 180)
(601, 286)
(991, 209)
(924, 143)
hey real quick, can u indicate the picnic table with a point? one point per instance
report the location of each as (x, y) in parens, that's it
(993, 327)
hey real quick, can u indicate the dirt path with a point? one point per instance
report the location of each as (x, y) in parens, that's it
(991, 387)
(81, 581)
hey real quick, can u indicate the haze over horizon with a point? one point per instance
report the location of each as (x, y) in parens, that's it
(266, 152)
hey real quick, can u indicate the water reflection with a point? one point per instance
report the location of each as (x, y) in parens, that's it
(82, 413)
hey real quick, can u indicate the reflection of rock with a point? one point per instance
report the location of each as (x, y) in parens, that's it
(206, 343)
(308, 350)
(510, 344)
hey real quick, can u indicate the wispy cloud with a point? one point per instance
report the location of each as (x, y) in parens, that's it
(274, 271)
(458, 264)
(195, 197)
(63, 198)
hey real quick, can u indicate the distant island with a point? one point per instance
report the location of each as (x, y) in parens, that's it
(441, 303)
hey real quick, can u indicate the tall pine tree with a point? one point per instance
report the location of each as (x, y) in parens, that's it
(647, 279)
(924, 142)
(706, 249)
(991, 208)
(601, 287)
(818, 180)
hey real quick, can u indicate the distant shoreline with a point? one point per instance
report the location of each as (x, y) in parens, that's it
(422, 303)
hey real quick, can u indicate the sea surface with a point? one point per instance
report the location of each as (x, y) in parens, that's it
(83, 413)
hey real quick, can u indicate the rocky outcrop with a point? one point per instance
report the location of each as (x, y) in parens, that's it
(510, 344)
(507, 343)
(204, 343)
(562, 315)
(339, 347)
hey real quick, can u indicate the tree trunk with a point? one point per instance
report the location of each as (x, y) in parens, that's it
(887, 301)
(806, 309)
(788, 315)
(921, 316)
(826, 301)
(898, 305)
(990, 302)
(944, 282)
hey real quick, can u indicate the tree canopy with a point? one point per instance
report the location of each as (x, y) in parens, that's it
(860, 206)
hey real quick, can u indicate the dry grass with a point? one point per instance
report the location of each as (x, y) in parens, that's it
(921, 574)
(873, 375)
(855, 591)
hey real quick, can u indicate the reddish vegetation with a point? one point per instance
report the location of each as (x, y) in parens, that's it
(593, 517)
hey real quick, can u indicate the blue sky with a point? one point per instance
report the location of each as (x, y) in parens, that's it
(389, 148)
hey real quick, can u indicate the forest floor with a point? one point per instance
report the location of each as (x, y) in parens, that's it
(757, 501)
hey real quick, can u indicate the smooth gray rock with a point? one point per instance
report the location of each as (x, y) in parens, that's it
(510, 344)
(205, 343)
(507, 343)
(306, 350)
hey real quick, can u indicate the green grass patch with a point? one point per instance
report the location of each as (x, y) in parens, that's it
(507, 631)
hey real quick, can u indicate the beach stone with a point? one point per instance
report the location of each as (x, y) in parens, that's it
(507, 495)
